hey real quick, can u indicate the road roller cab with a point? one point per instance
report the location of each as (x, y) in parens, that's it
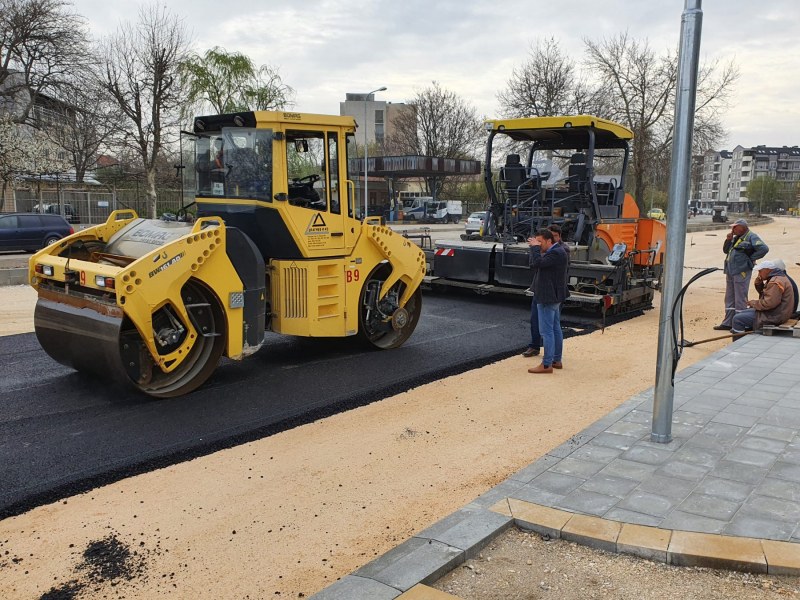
(277, 245)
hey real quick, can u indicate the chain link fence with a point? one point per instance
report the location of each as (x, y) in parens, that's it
(92, 207)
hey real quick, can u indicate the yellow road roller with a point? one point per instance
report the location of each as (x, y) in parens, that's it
(277, 244)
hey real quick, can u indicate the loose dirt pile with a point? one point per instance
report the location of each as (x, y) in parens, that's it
(287, 515)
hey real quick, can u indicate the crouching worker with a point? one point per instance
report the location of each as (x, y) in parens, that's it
(776, 299)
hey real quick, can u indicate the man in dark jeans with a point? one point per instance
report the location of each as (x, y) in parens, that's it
(549, 262)
(533, 348)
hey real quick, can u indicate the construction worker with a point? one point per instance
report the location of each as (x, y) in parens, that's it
(742, 249)
(776, 299)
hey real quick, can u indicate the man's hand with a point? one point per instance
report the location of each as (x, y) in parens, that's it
(533, 242)
(751, 303)
(729, 237)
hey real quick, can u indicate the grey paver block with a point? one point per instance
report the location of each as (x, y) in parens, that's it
(612, 440)
(791, 455)
(779, 488)
(673, 445)
(727, 489)
(709, 506)
(639, 416)
(707, 457)
(609, 486)
(570, 446)
(577, 468)
(468, 530)
(684, 432)
(528, 493)
(599, 454)
(556, 482)
(756, 527)
(647, 455)
(690, 418)
(773, 432)
(628, 469)
(675, 489)
(532, 470)
(677, 469)
(782, 416)
(497, 493)
(733, 418)
(352, 587)
(698, 405)
(726, 469)
(744, 409)
(761, 403)
(756, 458)
(785, 470)
(414, 561)
(723, 431)
(629, 516)
(753, 442)
(647, 503)
(634, 430)
(766, 507)
(684, 521)
(587, 502)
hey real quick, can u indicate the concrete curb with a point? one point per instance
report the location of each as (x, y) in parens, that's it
(13, 276)
(674, 547)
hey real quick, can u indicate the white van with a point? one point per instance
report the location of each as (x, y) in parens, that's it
(425, 210)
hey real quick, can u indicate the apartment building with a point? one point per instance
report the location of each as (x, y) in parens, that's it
(714, 178)
(378, 116)
(782, 163)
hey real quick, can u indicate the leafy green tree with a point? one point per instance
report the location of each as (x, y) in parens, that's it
(764, 194)
(230, 82)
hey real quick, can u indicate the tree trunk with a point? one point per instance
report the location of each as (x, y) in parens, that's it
(151, 192)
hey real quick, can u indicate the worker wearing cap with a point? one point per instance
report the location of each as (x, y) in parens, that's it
(742, 249)
(776, 299)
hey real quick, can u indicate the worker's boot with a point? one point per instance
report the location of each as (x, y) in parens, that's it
(557, 364)
(540, 369)
(530, 352)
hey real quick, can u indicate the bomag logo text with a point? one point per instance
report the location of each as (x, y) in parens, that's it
(167, 264)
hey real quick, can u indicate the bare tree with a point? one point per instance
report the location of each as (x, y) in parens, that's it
(41, 42)
(439, 123)
(87, 122)
(141, 72)
(640, 89)
(547, 84)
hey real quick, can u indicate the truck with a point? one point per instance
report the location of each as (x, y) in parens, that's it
(424, 209)
(568, 171)
(275, 246)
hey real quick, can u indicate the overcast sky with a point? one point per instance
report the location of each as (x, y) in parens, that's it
(325, 48)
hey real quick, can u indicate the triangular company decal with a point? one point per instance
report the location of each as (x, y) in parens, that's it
(317, 226)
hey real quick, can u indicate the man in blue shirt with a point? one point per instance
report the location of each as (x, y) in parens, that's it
(549, 263)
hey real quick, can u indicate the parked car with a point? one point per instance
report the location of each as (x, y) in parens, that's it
(31, 231)
(656, 213)
(69, 213)
(474, 222)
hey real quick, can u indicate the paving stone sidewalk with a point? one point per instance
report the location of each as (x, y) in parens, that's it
(732, 468)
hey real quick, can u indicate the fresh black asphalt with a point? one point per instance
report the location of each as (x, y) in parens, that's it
(63, 433)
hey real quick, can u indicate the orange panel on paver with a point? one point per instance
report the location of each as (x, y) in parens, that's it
(502, 508)
(423, 592)
(592, 531)
(541, 519)
(783, 558)
(690, 549)
(647, 542)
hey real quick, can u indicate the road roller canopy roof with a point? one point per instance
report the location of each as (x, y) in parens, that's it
(265, 118)
(563, 131)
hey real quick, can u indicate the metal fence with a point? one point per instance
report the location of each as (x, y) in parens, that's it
(93, 207)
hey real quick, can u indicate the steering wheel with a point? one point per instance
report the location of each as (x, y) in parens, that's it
(307, 180)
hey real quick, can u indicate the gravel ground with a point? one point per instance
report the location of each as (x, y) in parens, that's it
(520, 565)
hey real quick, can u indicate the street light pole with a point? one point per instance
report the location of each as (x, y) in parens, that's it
(366, 149)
